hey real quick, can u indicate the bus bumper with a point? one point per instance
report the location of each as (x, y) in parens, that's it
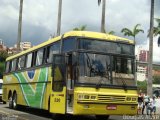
(105, 109)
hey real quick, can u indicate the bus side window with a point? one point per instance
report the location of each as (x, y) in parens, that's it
(21, 62)
(39, 57)
(7, 66)
(29, 60)
(13, 64)
(52, 49)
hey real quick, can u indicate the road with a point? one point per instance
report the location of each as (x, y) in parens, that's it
(26, 113)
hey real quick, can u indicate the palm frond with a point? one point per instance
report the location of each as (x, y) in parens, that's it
(111, 32)
(127, 32)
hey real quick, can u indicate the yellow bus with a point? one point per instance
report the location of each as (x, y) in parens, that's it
(78, 73)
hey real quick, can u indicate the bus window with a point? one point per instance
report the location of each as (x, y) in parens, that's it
(13, 65)
(53, 49)
(39, 57)
(29, 60)
(69, 44)
(7, 66)
(21, 62)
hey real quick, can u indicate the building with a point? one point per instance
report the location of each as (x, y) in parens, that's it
(24, 45)
(142, 56)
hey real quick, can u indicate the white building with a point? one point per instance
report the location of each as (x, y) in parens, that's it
(141, 73)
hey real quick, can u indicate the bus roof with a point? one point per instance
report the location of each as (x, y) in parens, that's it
(87, 34)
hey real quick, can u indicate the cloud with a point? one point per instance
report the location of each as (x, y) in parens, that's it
(40, 18)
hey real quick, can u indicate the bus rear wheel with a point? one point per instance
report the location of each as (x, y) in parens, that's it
(102, 117)
(14, 101)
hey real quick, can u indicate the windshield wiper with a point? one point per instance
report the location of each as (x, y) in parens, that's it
(103, 74)
(123, 82)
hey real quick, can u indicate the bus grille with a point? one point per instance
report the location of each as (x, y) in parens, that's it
(111, 98)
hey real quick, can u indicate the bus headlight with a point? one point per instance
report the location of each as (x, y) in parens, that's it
(86, 97)
(128, 98)
(134, 99)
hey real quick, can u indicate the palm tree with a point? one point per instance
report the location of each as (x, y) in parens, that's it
(19, 38)
(133, 33)
(103, 14)
(81, 28)
(156, 30)
(111, 32)
(150, 60)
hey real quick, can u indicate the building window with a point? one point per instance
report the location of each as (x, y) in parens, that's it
(29, 60)
(39, 57)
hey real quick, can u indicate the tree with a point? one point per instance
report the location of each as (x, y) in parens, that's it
(111, 32)
(81, 28)
(134, 32)
(156, 30)
(103, 14)
(150, 60)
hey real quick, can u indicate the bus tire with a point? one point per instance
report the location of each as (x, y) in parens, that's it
(102, 117)
(4, 102)
(10, 102)
(14, 100)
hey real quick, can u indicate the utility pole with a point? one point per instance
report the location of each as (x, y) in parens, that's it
(103, 16)
(150, 61)
(19, 39)
(59, 18)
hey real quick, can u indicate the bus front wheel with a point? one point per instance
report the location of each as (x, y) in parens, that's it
(102, 117)
(10, 102)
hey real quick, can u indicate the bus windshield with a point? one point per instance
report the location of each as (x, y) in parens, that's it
(105, 69)
(106, 46)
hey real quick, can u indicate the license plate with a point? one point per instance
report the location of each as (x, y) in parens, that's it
(111, 107)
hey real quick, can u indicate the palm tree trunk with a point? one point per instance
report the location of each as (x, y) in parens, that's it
(150, 61)
(103, 16)
(19, 39)
(59, 18)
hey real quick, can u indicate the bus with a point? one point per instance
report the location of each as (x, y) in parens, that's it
(77, 73)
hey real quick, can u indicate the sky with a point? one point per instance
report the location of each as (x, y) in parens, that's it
(40, 19)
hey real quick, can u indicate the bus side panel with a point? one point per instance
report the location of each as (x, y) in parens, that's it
(32, 88)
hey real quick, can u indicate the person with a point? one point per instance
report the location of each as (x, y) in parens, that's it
(140, 103)
(146, 104)
(153, 105)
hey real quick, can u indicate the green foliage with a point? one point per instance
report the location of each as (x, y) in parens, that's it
(142, 85)
(156, 79)
(3, 55)
(2, 68)
(81, 28)
(134, 32)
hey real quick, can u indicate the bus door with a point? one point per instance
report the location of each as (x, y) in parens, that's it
(58, 95)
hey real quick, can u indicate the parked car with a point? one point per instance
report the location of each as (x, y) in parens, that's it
(156, 92)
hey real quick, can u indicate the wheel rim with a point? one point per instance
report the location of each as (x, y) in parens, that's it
(14, 101)
(10, 102)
